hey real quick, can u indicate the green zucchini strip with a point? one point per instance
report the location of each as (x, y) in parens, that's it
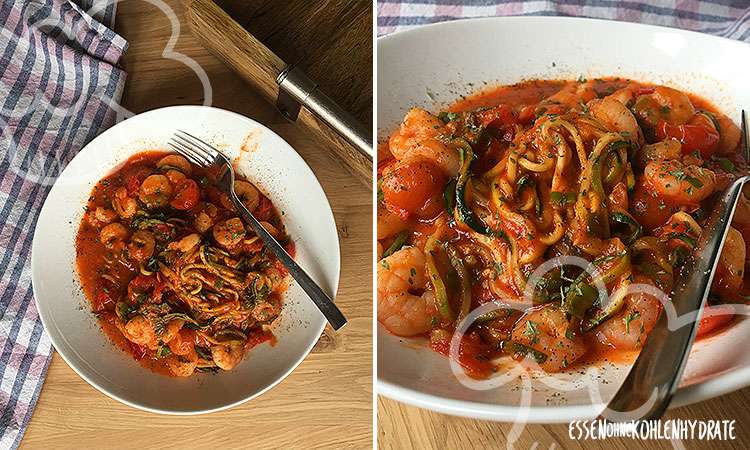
(441, 294)
(463, 213)
(634, 229)
(613, 307)
(463, 275)
(397, 244)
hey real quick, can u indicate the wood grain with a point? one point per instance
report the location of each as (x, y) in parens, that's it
(405, 427)
(259, 67)
(323, 37)
(327, 401)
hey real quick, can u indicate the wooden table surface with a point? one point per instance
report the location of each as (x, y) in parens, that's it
(327, 401)
(401, 426)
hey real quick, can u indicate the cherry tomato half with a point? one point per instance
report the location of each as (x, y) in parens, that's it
(134, 179)
(648, 209)
(187, 195)
(693, 136)
(498, 117)
(413, 189)
(105, 295)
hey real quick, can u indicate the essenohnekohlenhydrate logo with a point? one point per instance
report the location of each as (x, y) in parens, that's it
(671, 429)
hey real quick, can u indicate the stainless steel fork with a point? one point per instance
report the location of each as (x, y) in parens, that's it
(219, 166)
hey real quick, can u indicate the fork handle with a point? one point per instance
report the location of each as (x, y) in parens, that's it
(324, 303)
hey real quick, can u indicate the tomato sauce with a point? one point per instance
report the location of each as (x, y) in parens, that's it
(106, 273)
(486, 125)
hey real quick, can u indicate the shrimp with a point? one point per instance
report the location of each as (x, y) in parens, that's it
(206, 216)
(185, 244)
(113, 236)
(275, 277)
(141, 246)
(625, 95)
(124, 205)
(545, 330)
(676, 106)
(571, 95)
(140, 330)
(389, 224)
(629, 328)
(416, 139)
(171, 330)
(401, 311)
(616, 117)
(272, 230)
(729, 134)
(183, 365)
(155, 191)
(248, 194)
(183, 343)
(175, 176)
(230, 232)
(664, 104)
(101, 216)
(731, 267)
(680, 183)
(175, 162)
(227, 356)
(666, 149)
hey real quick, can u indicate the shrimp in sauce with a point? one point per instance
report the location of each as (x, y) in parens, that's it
(474, 198)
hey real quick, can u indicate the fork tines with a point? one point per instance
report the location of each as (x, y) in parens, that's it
(193, 148)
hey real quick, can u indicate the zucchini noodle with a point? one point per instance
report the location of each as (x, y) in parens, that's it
(599, 189)
(173, 272)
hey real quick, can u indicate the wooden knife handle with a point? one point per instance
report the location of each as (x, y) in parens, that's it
(260, 67)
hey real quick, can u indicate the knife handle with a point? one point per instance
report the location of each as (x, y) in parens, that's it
(257, 65)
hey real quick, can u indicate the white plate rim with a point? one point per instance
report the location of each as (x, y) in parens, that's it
(54, 338)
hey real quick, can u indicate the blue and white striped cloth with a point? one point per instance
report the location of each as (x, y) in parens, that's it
(728, 18)
(59, 87)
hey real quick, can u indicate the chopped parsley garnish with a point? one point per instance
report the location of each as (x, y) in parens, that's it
(163, 351)
(629, 318)
(680, 175)
(532, 331)
(562, 198)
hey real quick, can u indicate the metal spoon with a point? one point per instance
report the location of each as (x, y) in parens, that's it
(654, 377)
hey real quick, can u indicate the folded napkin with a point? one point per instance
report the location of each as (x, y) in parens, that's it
(59, 87)
(728, 18)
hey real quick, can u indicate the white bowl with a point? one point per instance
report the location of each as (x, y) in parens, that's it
(433, 65)
(264, 158)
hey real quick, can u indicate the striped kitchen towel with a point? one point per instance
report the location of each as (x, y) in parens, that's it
(59, 87)
(727, 18)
